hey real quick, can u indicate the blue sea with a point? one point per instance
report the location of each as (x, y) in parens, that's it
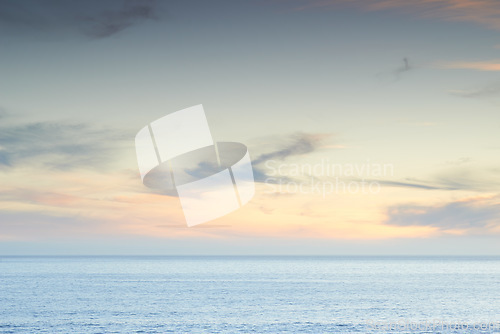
(249, 294)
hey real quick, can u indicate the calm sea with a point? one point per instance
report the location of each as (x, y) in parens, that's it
(249, 295)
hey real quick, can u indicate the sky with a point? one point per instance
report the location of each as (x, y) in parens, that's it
(373, 126)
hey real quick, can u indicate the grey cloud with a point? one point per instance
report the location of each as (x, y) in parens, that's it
(295, 145)
(260, 175)
(405, 67)
(59, 145)
(455, 215)
(93, 18)
(469, 178)
(461, 176)
(110, 22)
(444, 183)
(412, 185)
(396, 74)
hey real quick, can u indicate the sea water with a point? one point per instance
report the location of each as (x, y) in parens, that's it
(245, 294)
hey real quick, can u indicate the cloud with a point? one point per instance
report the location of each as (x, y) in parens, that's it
(477, 215)
(92, 18)
(467, 175)
(294, 145)
(412, 185)
(488, 90)
(396, 73)
(460, 174)
(482, 12)
(484, 91)
(488, 65)
(405, 67)
(297, 144)
(202, 163)
(59, 145)
(111, 22)
(469, 178)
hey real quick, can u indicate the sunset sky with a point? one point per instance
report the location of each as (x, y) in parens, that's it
(414, 85)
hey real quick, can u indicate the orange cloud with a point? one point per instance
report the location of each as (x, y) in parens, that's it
(117, 204)
(474, 65)
(483, 12)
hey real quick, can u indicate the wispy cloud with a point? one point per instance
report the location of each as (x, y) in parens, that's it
(405, 67)
(489, 90)
(396, 73)
(93, 18)
(460, 174)
(477, 215)
(482, 12)
(416, 185)
(469, 177)
(294, 145)
(110, 22)
(59, 145)
(488, 65)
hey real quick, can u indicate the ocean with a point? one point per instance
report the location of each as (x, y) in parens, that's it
(249, 294)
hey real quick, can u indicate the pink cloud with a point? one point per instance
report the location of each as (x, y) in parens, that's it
(482, 12)
(472, 65)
